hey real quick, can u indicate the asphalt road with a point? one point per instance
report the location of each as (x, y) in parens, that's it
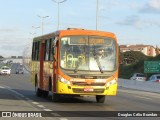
(17, 94)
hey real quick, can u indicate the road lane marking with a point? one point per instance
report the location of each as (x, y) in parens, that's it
(36, 103)
(47, 110)
(63, 118)
(143, 97)
(41, 106)
(2, 87)
(19, 96)
(22, 96)
(134, 92)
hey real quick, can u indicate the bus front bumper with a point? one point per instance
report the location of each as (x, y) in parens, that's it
(63, 88)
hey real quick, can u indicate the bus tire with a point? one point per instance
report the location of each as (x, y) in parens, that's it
(45, 93)
(38, 92)
(100, 98)
(50, 84)
(35, 83)
(55, 97)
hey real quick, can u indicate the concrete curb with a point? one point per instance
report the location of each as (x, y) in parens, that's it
(140, 85)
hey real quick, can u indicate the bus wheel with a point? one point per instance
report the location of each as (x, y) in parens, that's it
(38, 92)
(45, 93)
(55, 97)
(100, 98)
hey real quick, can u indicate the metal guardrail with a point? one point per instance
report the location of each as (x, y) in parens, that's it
(140, 85)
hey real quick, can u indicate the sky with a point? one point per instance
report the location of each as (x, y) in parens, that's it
(133, 21)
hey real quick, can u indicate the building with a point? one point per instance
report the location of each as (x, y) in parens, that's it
(157, 50)
(148, 50)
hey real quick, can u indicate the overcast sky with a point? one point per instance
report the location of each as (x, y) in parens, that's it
(133, 21)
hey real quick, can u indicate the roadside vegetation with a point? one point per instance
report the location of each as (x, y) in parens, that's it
(133, 62)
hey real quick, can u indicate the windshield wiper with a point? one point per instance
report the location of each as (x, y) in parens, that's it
(97, 60)
(77, 66)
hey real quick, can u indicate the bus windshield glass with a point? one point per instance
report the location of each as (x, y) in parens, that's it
(93, 53)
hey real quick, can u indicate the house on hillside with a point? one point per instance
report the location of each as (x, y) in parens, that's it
(148, 50)
(157, 50)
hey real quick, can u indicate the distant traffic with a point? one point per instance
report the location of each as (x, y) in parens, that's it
(6, 68)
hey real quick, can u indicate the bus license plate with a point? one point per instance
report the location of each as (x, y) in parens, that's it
(88, 89)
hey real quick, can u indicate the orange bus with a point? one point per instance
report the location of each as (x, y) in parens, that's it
(75, 62)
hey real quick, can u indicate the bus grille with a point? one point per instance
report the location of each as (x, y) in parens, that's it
(79, 90)
(85, 84)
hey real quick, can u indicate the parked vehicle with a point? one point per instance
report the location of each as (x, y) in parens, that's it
(5, 70)
(155, 78)
(138, 77)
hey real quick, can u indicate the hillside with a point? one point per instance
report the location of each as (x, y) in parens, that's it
(135, 64)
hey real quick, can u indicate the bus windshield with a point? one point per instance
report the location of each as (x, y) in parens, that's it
(93, 53)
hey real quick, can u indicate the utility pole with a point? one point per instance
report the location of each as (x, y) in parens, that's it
(58, 2)
(35, 28)
(42, 17)
(97, 14)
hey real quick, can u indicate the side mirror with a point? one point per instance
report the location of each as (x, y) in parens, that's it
(55, 42)
(54, 50)
(54, 45)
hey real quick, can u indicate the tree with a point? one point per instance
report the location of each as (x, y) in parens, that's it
(131, 57)
(1, 57)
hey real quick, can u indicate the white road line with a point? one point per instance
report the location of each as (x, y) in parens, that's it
(36, 103)
(63, 118)
(47, 110)
(21, 95)
(2, 87)
(18, 96)
(41, 106)
(145, 94)
(143, 97)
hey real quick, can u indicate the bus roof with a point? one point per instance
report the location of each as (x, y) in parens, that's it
(86, 32)
(75, 31)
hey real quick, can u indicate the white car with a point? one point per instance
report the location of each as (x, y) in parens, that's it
(155, 78)
(138, 77)
(5, 70)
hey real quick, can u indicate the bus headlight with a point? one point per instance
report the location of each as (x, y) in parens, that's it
(114, 81)
(61, 79)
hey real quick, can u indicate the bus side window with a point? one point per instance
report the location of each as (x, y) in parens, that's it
(54, 45)
(38, 51)
(50, 50)
(33, 51)
(46, 56)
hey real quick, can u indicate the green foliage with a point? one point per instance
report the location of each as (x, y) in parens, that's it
(136, 55)
(1, 57)
(126, 70)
